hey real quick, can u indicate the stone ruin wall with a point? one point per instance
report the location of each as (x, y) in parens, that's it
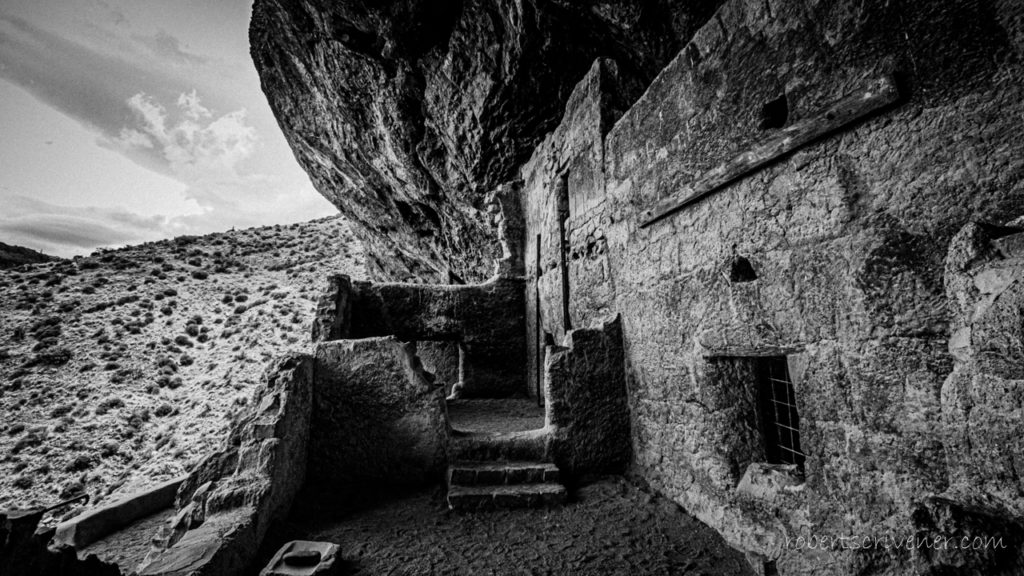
(466, 333)
(848, 238)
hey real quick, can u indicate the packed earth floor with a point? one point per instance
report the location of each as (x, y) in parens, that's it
(610, 527)
(495, 416)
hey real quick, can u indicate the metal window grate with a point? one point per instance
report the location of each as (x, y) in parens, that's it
(780, 418)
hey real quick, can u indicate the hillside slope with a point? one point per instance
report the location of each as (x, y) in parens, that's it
(121, 369)
(11, 256)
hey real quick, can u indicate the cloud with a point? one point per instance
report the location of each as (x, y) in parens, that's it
(168, 47)
(80, 82)
(141, 96)
(76, 230)
(195, 146)
(69, 230)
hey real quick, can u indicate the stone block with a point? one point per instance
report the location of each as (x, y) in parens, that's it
(98, 522)
(380, 419)
(303, 558)
(769, 482)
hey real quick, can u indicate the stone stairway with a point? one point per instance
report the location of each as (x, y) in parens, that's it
(489, 485)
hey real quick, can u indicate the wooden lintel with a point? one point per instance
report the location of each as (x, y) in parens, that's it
(877, 94)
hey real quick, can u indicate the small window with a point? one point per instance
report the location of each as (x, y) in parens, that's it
(779, 417)
(775, 114)
(741, 270)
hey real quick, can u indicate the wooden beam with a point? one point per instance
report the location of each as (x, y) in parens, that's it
(876, 95)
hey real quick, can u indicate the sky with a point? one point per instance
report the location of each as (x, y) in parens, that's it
(125, 121)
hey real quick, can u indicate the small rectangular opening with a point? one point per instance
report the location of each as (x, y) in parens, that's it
(757, 394)
(779, 417)
(563, 239)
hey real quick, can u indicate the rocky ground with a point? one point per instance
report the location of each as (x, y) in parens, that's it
(120, 370)
(611, 527)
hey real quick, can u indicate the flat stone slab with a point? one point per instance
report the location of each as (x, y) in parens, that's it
(492, 497)
(96, 523)
(303, 558)
(509, 472)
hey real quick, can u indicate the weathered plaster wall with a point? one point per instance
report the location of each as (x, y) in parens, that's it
(379, 420)
(847, 238)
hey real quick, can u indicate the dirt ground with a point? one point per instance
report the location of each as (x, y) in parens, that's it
(610, 528)
(495, 416)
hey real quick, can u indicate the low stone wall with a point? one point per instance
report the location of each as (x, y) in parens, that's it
(230, 499)
(587, 407)
(379, 419)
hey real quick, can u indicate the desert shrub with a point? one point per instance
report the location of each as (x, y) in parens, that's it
(183, 340)
(200, 274)
(56, 356)
(23, 482)
(71, 489)
(80, 463)
(108, 449)
(125, 374)
(61, 410)
(46, 328)
(108, 404)
(34, 437)
(162, 410)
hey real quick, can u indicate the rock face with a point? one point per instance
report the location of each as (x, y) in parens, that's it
(406, 114)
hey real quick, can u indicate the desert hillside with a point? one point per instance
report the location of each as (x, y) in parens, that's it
(121, 369)
(11, 256)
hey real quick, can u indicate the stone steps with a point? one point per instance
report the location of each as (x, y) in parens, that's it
(484, 473)
(505, 496)
(531, 445)
(503, 485)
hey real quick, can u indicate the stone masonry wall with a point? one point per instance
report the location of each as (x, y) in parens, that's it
(846, 239)
(569, 162)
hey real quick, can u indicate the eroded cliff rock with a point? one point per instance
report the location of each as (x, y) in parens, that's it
(407, 113)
